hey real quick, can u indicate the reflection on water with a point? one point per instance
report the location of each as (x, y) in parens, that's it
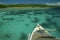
(22, 22)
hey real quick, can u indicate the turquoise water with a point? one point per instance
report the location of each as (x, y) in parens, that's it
(16, 24)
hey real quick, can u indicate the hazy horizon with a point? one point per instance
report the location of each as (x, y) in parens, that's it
(28, 1)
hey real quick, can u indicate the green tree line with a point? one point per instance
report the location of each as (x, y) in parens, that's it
(25, 5)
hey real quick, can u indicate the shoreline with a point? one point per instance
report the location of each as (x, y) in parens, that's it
(24, 8)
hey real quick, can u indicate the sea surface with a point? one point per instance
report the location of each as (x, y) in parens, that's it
(17, 23)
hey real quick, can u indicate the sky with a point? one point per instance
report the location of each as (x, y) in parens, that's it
(28, 1)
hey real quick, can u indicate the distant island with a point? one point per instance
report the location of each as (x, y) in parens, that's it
(26, 5)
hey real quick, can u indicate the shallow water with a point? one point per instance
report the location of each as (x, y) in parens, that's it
(16, 24)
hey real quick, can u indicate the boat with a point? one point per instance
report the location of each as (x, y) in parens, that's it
(39, 33)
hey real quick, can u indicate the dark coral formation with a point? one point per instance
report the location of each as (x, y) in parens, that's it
(36, 20)
(27, 24)
(7, 35)
(45, 25)
(54, 23)
(2, 16)
(16, 13)
(56, 16)
(10, 13)
(23, 36)
(48, 19)
(37, 12)
(21, 12)
(28, 17)
(8, 18)
(29, 14)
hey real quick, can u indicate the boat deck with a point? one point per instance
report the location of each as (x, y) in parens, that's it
(41, 36)
(39, 33)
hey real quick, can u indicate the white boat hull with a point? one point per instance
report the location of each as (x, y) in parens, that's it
(39, 33)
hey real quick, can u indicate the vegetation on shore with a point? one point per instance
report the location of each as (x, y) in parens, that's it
(25, 5)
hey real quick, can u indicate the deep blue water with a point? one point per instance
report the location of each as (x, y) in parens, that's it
(16, 24)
